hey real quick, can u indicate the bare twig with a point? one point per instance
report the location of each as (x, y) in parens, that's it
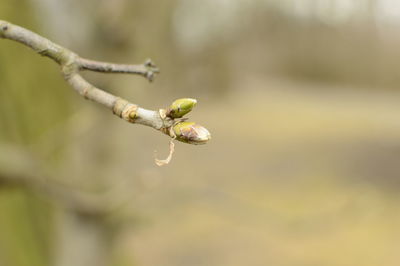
(71, 64)
(166, 121)
(148, 69)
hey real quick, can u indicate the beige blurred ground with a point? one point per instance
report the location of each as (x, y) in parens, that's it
(302, 168)
(291, 178)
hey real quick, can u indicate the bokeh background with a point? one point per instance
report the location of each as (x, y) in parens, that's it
(301, 98)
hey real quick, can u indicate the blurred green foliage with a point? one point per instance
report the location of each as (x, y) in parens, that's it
(32, 100)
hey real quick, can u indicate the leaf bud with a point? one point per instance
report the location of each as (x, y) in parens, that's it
(181, 107)
(192, 133)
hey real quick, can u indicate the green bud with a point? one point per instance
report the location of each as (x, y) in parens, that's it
(192, 133)
(181, 107)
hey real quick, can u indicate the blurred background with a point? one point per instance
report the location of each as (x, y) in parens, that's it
(301, 99)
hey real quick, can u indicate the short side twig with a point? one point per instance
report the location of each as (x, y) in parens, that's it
(147, 70)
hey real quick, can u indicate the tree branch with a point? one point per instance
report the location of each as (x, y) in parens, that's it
(167, 120)
(71, 63)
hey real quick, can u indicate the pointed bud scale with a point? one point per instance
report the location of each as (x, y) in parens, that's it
(192, 133)
(181, 107)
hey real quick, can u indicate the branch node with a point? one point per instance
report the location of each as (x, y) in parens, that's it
(129, 112)
(125, 110)
(119, 106)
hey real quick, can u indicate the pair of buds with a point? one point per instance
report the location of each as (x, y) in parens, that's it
(182, 130)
